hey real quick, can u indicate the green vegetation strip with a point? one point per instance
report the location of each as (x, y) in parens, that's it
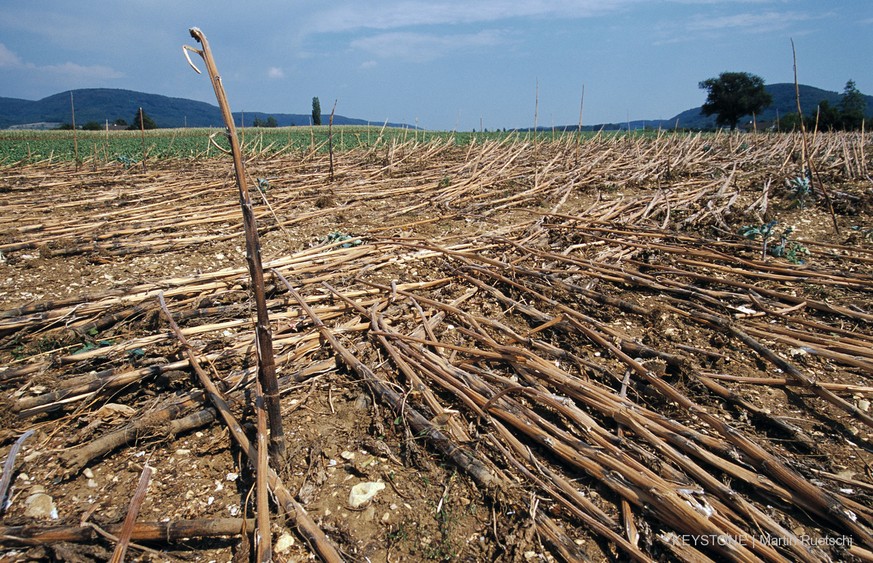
(126, 147)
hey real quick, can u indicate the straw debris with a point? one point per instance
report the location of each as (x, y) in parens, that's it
(556, 348)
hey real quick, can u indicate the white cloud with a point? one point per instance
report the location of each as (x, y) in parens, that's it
(275, 72)
(421, 47)
(8, 58)
(369, 64)
(79, 71)
(706, 26)
(759, 22)
(406, 13)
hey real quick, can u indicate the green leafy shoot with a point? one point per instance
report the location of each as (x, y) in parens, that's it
(791, 250)
(764, 232)
(866, 234)
(800, 191)
(348, 240)
(125, 160)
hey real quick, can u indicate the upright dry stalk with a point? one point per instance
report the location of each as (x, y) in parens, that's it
(579, 130)
(536, 108)
(292, 510)
(142, 139)
(132, 512)
(266, 362)
(805, 156)
(330, 138)
(263, 539)
(75, 136)
(536, 146)
(803, 147)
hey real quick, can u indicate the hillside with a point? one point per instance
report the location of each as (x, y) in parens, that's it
(783, 103)
(109, 104)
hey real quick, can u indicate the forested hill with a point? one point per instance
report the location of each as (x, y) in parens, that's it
(109, 104)
(106, 104)
(783, 103)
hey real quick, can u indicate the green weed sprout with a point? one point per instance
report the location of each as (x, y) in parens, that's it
(791, 250)
(765, 231)
(800, 190)
(337, 236)
(125, 160)
(865, 233)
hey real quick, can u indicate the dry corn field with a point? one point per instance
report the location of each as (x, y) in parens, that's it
(550, 351)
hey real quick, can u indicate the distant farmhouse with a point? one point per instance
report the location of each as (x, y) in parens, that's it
(46, 125)
(41, 125)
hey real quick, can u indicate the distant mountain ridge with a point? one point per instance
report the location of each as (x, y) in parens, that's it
(108, 104)
(783, 103)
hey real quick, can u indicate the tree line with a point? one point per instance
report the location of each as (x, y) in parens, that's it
(733, 95)
(730, 97)
(847, 115)
(141, 120)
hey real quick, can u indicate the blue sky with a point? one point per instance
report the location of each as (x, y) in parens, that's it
(442, 64)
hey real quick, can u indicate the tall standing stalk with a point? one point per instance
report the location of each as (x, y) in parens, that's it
(142, 139)
(75, 138)
(266, 362)
(330, 138)
(806, 159)
(579, 130)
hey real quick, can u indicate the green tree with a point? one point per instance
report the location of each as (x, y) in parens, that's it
(733, 95)
(120, 122)
(852, 105)
(316, 111)
(829, 118)
(271, 122)
(147, 122)
(92, 126)
(789, 122)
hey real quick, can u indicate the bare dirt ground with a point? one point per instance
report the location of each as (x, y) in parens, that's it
(562, 352)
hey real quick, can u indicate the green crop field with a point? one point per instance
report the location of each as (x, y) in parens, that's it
(23, 147)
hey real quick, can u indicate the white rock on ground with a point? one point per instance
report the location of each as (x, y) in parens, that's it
(364, 492)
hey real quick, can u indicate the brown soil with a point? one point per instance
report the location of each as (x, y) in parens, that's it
(511, 252)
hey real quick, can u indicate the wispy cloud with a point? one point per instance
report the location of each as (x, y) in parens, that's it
(74, 70)
(751, 22)
(707, 25)
(407, 13)
(275, 72)
(722, 2)
(422, 47)
(10, 60)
